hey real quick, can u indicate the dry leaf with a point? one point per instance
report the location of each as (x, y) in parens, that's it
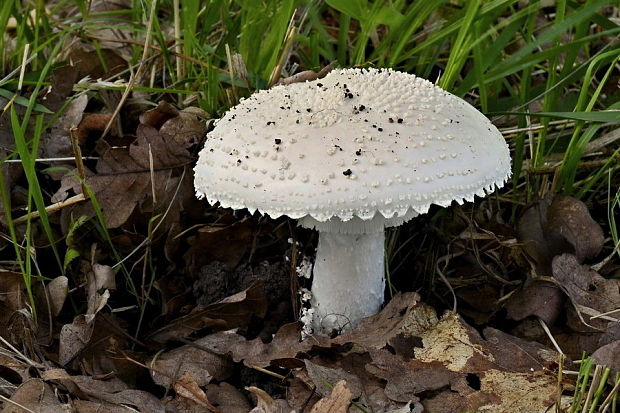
(407, 379)
(227, 398)
(85, 406)
(584, 286)
(57, 289)
(123, 178)
(266, 404)
(226, 244)
(324, 379)
(541, 299)
(377, 330)
(337, 402)
(74, 338)
(556, 226)
(57, 142)
(35, 395)
(190, 361)
(609, 355)
(12, 374)
(12, 295)
(285, 346)
(517, 355)
(570, 218)
(231, 312)
(187, 387)
(109, 392)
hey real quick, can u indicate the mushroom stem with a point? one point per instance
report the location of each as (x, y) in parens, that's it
(348, 279)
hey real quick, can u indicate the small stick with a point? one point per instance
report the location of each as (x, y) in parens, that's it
(547, 170)
(152, 172)
(62, 159)
(16, 404)
(548, 332)
(268, 372)
(22, 72)
(51, 208)
(77, 153)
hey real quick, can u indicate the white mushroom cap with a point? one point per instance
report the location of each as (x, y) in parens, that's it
(370, 144)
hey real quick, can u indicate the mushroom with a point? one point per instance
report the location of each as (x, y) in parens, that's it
(349, 155)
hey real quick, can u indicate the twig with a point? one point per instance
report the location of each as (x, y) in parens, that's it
(63, 159)
(515, 131)
(548, 170)
(22, 72)
(51, 208)
(18, 69)
(6, 399)
(268, 372)
(79, 163)
(607, 402)
(20, 354)
(605, 314)
(548, 332)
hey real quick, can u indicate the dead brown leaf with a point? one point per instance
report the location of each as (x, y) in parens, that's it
(570, 218)
(500, 392)
(109, 392)
(284, 347)
(324, 379)
(585, 286)
(555, 226)
(12, 295)
(157, 116)
(449, 354)
(298, 394)
(85, 406)
(589, 292)
(57, 143)
(514, 354)
(376, 331)
(75, 337)
(12, 374)
(58, 288)
(226, 244)
(231, 312)
(122, 181)
(189, 361)
(407, 379)
(35, 395)
(266, 404)
(337, 402)
(541, 299)
(609, 355)
(227, 398)
(187, 387)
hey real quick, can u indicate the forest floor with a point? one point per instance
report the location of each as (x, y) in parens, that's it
(121, 291)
